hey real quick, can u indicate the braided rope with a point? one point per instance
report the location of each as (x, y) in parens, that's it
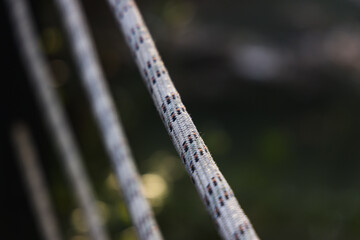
(34, 180)
(41, 78)
(110, 125)
(210, 183)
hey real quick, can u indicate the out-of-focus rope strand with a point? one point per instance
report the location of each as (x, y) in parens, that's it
(41, 79)
(106, 116)
(35, 182)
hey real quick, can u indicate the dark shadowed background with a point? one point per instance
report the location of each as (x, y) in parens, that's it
(273, 87)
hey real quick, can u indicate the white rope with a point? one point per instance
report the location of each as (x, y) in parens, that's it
(54, 114)
(216, 193)
(105, 113)
(34, 180)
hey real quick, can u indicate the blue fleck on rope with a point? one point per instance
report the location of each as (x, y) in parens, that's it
(211, 185)
(41, 79)
(108, 121)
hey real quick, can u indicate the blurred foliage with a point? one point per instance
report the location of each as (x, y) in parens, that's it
(273, 88)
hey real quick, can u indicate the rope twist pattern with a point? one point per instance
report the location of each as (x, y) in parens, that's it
(214, 190)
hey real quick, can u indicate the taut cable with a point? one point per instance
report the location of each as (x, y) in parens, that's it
(214, 190)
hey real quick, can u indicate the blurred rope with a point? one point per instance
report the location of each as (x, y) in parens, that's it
(41, 79)
(216, 193)
(106, 116)
(34, 180)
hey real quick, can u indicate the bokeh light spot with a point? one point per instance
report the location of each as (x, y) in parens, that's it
(128, 234)
(77, 220)
(155, 188)
(52, 40)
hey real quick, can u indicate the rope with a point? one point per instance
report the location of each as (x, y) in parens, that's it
(105, 113)
(40, 76)
(214, 190)
(34, 180)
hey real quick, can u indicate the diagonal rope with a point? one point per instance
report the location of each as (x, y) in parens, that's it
(214, 190)
(41, 78)
(34, 180)
(106, 116)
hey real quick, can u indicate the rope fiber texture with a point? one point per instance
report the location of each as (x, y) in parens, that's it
(107, 119)
(214, 190)
(41, 79)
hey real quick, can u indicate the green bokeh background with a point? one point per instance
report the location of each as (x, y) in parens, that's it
(286, 139)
